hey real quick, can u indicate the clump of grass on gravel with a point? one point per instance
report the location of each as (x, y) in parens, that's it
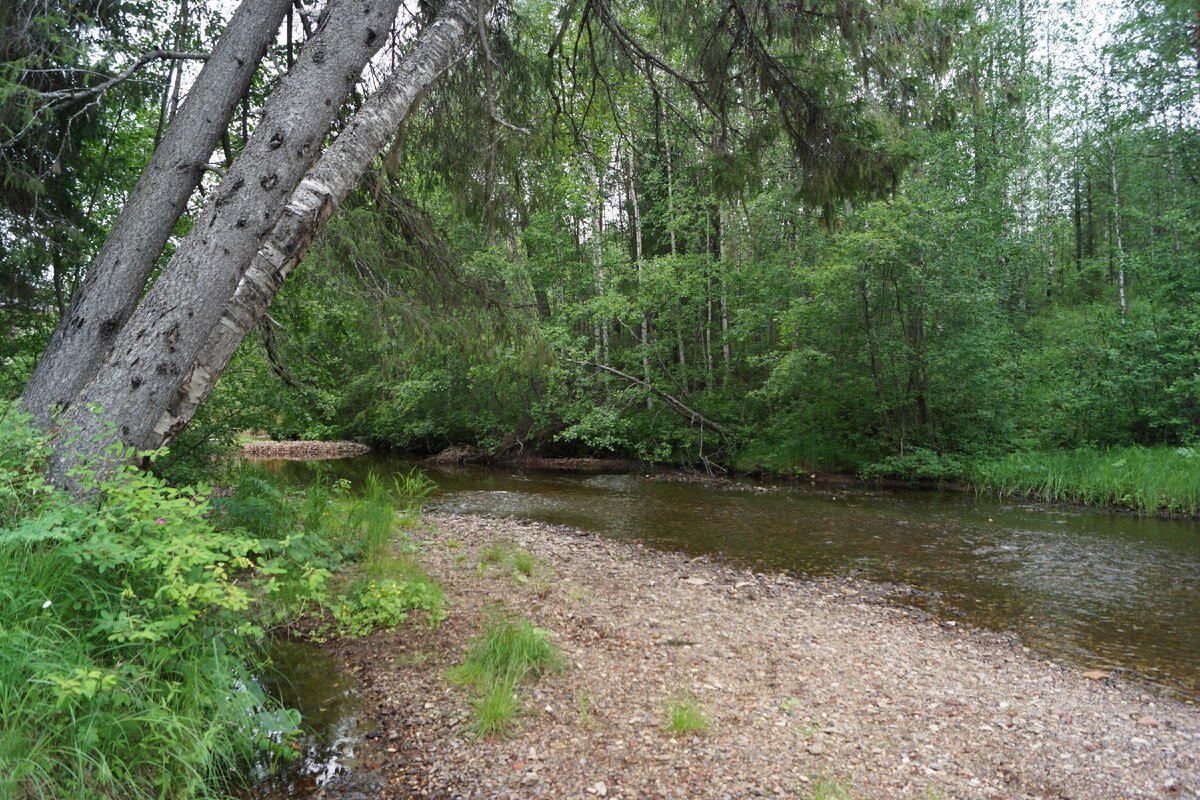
(685, 717)
(524, 567)
(498, 661)
(827, 788)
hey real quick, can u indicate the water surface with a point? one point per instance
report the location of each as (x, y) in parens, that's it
(1097, 590)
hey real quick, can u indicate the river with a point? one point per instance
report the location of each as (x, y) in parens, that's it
(1093, 589)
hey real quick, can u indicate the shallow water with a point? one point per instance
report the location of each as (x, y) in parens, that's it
(305, 677)
(1096, 590)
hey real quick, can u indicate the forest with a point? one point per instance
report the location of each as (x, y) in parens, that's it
(948, 243)
(941, 241)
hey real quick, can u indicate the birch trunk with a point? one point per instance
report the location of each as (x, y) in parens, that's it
(1112, 174)
(156, 351)
(109, 293)
(599, 323)
(321, 191)
(631, 189)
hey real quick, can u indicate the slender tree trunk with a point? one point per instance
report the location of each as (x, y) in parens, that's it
(631, 189)
(156, 351)
(1112, 174)
(599, 324)
(117, 277)
(670, 198)
(1049, 156)
(726, 264)
(1078, 210)
(1022, 119)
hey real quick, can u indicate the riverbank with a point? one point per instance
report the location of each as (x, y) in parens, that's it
(802, 683)
(301, 450)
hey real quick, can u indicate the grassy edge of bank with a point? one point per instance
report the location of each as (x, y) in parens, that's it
(131, 622)
(1159, 480)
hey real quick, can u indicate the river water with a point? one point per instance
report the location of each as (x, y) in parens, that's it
(1097, 590)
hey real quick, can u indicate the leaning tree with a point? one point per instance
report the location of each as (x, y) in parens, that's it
(136, 353)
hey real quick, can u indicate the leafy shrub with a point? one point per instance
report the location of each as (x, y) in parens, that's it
(126, 636)
(386, 603)
(915, 464)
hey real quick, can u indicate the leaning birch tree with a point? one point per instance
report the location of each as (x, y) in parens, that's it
(164, 360)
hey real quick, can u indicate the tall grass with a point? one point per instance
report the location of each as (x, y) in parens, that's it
(1148, 480)
(505, 655)
(125, 642)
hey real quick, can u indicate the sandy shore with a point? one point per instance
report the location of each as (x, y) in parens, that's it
(802, 680)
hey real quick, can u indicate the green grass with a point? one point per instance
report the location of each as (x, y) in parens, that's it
(524, 567)
(1148, 480)
(497, 663)
(685, 717)
(827, 788)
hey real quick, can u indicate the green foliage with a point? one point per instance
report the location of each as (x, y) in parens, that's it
(1148, 480)
(685, 716)
(498, 661)
(372, 604)
(130, 624)
(127, 638)
(917, 464)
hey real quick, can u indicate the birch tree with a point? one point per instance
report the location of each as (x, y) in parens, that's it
(164, 360)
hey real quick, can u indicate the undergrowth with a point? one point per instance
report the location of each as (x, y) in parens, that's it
(131, 623)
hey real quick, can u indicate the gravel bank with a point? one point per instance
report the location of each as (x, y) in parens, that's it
(302, 451)
(800, 679)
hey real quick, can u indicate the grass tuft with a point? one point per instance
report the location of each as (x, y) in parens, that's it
(506, 654)
(827, 788)
(685, 717)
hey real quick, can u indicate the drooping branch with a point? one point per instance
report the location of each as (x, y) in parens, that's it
(674, 403)
(60, 97)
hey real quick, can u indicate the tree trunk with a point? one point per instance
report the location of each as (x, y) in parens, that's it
(126, 260)
(599, 323)
(631, 189)
(321, 191)
(1112, 174)
(156, 352)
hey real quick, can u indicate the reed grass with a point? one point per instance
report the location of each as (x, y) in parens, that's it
(505, 655)
(1148, 480)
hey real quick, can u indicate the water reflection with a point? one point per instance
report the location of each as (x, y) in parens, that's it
(306, 678)
(1099, 590)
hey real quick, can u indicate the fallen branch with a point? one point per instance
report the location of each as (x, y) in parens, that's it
(675, 404)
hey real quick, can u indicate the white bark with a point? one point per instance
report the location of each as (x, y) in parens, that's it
(156, 352)
(117, 277)
(631, 189)
(326, 186)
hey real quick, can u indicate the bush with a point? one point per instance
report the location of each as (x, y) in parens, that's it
(125, 638)
(916, 464)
